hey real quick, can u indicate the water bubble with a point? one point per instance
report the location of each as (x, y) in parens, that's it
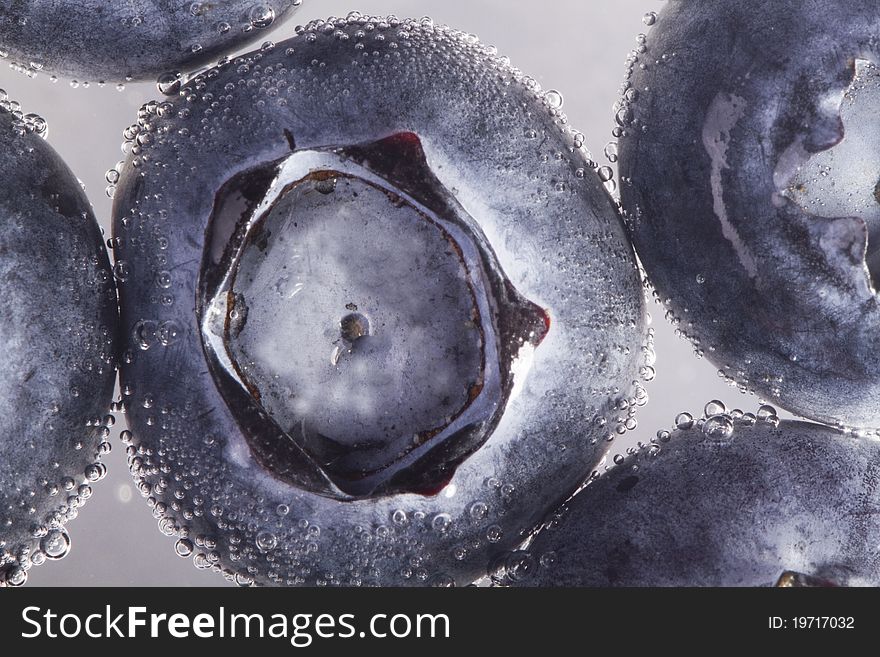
(554, 99)
(262, 16)
(169, 83)
(548, 559)
(144, 334)
(684, 421)
(494, 534)
(121, 271)
(167, 333)
(184, 547)
(611, 152)
(519, 565)
(56, 544)
(767, 413)
(441, 522)
(201, 561)
(15, 576)
(479, 510)
(266, 541)
(95, 472)
(714, 407)
(718, 426)
(441, 581)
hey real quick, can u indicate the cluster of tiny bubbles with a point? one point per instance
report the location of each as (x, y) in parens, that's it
(622, 416)
(648, 371)
(717, 423)
(734, 375)
(191, 87)
(624, 411)
(625, 119)
(144, 130)
(859, 433)
(112, 177)
(264, 525)
(23, 123)
(49, 538)
(170, 83)
(30, 69)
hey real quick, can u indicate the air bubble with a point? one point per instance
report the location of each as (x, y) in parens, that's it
(767, 413)
(718, 426)
(95, 472)
(169, 83)
(266, 541)
(554, 99)
(494, 534)
(519, 566)
(56, 544)
(441, 522)
(714, 407)
(684, 421)
(15, 576)
(262, 16)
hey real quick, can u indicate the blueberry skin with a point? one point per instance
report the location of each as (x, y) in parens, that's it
(119, 41)
(739, 511)
(553, 227)
(727, 99)
(57, 344)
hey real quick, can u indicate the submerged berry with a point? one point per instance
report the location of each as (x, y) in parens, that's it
(57, 340)
(726, 108)
(137, 39)
(401, 317)
(764, 504)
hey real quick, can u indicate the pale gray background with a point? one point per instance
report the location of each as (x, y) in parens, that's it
(575, 46)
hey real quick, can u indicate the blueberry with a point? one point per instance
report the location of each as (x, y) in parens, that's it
(734, 500)
(136, 39)
(382, 314)
(725, 104)
(57, 341)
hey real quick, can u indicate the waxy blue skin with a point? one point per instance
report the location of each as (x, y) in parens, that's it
(58, 340)
(731, 96)
(546, 214)
(104, 41)
(703, 511)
